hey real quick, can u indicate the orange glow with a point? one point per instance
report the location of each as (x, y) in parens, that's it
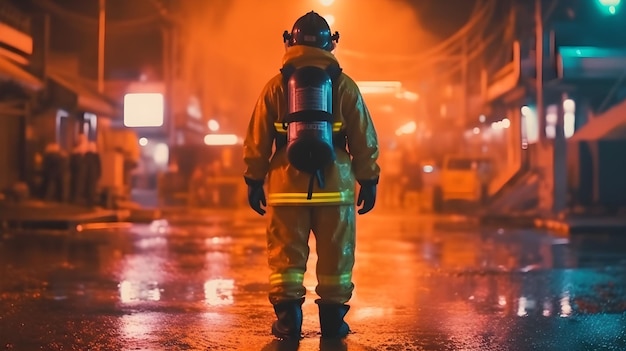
(408, 128)
(232, 48)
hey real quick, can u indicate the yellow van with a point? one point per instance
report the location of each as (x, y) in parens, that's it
(463, 178)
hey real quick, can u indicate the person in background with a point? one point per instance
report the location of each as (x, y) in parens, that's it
(413, 181)
(93, 172)
(77, 170)
(53, 168)
(393, 173)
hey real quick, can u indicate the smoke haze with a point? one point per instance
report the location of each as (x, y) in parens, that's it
(232, 47)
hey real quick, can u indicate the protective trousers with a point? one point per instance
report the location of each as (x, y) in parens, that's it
(287, 240)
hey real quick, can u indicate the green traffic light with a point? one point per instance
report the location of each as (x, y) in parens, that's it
(609, 6)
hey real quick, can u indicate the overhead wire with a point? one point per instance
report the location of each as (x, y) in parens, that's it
(454, 55)
(484, 43)
(481, 11)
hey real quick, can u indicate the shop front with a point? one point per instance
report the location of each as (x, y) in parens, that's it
(18, 90)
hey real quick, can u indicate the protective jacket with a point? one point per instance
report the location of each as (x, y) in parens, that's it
(286, 185)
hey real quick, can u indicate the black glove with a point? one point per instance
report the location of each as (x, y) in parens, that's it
(367, 195)
(256, 195)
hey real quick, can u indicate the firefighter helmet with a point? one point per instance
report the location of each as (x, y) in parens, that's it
(311, 30)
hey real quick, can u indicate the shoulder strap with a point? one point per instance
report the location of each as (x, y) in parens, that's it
(334, 71)
(287, 71)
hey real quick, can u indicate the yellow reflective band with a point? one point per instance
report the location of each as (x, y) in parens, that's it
(298, 195)
(279, 127)
(341, 280)
(301, 198)
(290, 277)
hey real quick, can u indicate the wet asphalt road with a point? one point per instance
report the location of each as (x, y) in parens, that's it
(198, 281)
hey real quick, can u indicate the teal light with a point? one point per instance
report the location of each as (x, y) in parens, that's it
(609, 6)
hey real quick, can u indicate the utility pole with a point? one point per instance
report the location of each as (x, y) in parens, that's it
(464, 68)
(101, 31)
(541, 120)
(168, 35)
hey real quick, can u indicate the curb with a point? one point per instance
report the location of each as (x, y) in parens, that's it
(519, 221)
(567, 227)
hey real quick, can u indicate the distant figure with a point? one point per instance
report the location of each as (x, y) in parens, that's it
(77, 170)
(414, 181)
(54, 165)
(393, 163)
(93, 172)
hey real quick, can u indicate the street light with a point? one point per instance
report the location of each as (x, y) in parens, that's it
(609, 6)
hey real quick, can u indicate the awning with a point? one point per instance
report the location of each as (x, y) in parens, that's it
(87, 99)
(10, 71)
(12, 108)
(601, 126)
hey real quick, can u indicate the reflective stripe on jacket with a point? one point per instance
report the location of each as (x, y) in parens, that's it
(285, 184)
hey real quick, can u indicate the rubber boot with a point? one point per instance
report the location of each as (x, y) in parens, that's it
(331, 320)
(289, 323)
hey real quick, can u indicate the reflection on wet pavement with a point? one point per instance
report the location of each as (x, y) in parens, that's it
(200, 284)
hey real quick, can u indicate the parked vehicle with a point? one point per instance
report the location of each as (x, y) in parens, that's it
(462, 179)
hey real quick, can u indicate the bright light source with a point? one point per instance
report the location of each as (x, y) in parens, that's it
(379, 87)
(408, 95)
(213, 125)
(221, 139)
(161, 154)
(550, 132)
(609, 6)
(408, 128)
(327, 2)
(569, 106)
(530, 123)
(476, 130)
(193, 108)
(330, 19)
(143, 110)
(569, 124)
(428, 169)
(506, 123)
(552, 115)
(143, 141)
(482, 118)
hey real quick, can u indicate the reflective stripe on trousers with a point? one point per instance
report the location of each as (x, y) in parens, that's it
(334, 197)
(288, 251)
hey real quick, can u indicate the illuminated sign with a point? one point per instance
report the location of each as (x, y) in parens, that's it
(143, 110)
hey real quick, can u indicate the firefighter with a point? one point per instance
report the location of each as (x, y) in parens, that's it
(311, 180)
